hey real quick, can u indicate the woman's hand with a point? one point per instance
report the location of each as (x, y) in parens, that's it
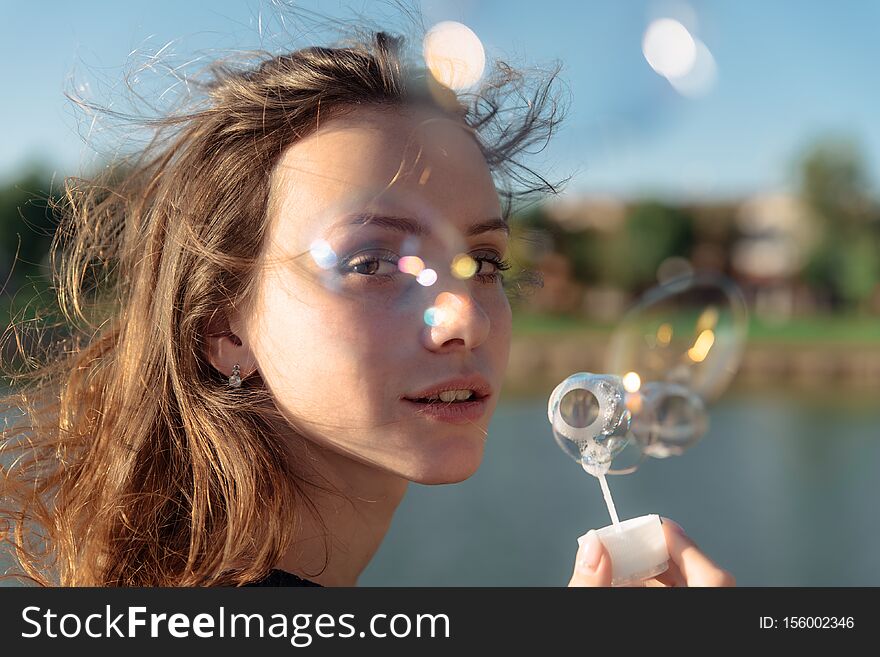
(687, 565)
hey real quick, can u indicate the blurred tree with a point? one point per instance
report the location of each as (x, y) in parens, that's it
(581, 248)
(652, 233)
(834, 181)
(845, 264)
(626, 258)
(27, 225)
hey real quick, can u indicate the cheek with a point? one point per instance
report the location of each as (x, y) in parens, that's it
(504, 341)
(312, 343)
(311, 346)
(497, 307)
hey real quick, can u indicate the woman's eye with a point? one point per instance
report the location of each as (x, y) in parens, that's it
(384, 266)
(372, 265)
(490, 267)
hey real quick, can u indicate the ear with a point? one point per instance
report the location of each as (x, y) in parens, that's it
(226, 345)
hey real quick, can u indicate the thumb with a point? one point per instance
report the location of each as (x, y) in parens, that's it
(593, 563)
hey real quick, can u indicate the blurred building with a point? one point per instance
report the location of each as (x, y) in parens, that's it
(762, 242)
(775, 235)
(602, 215)
(578, 213)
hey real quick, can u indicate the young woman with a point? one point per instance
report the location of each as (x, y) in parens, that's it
(287, 308)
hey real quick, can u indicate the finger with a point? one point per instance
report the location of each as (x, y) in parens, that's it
(671, 577)
(695, 567)
(656, 583)
(592, 564)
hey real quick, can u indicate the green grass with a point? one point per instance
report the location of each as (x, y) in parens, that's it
(530, 324)
(820, 329)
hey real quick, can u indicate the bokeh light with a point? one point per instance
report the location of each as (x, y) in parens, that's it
(701, 77)
(444, 309)
(434, 316)
(463, 266)
(669, 48)
(632, 382)
(411, 265)
(454, 55)
(322, 253)
(427, 277)
(702, 345)
(664, 334)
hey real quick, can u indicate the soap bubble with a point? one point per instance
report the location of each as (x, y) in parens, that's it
(675, 350)
(670, 419)
(690, 330)
(590, 420)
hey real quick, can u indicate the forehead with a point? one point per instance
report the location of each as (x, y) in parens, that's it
(404, 162)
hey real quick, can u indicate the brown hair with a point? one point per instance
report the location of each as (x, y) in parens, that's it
(126, 459)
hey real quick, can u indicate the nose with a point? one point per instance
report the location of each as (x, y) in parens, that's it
(455, 322)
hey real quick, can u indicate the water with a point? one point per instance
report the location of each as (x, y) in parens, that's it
(781, 491)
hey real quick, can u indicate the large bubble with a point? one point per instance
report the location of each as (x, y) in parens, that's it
(690, 331)
(669, 418)
(676, 350)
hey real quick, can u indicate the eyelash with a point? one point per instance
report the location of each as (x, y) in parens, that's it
(501, 265)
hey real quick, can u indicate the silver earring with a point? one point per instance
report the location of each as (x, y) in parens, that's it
(235, 379)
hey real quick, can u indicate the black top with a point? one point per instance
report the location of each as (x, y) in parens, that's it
(282, 578)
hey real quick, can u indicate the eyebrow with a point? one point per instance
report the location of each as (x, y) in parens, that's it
(412, 227)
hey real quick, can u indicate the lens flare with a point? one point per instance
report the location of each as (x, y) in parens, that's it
(702, 345)
(323, 254)
(463, 266)
(632, 382)
(434, 316)
(427, 277)
(454, 55)
(669, 48)
(444, 310)
(701, 77)
(664, 334)
(411, 265)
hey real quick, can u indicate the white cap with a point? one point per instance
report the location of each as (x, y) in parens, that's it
(637, 548)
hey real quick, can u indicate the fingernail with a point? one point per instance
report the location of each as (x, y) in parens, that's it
(589, 553)
(673, 525)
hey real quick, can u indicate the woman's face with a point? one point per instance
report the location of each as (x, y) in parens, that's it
(340, 331)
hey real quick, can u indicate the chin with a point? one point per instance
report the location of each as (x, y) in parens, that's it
(449, 462)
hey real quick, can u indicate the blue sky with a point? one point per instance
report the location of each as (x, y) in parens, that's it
(788, 73)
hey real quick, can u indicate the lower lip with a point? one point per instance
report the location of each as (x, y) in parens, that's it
(454, 412)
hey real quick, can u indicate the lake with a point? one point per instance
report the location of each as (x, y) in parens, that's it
(782, 491)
